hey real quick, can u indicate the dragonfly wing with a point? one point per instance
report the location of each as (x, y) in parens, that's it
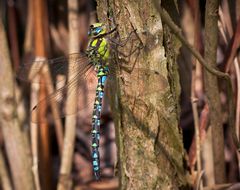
(82, 86)
(56, 66)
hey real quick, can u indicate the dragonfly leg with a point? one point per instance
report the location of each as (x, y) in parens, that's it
(137, 50)
(124, 42)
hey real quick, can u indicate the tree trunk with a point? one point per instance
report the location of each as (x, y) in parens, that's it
(146, 113)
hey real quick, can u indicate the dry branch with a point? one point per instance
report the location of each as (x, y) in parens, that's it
(13, 37)
(212, 91)
(65, 181)
(40, 52)
(194, 100)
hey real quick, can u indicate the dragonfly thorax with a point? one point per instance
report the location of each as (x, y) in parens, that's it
(98, 50)
(98, 47)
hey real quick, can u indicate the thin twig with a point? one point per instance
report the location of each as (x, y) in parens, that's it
(28, 42)
(237, 69)
(223, 30)
(232, 58)
(33, 98)
(199, 180)
(218, 186)
(194, 100)
(178, 32)
(203, 125)
(197, 134)
(40, 42)
(34, 132)
(234, 47)
(54, 108)
(34, 143)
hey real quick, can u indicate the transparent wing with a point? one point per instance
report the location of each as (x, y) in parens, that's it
(82, 86)
(56, 66)
(138, 83)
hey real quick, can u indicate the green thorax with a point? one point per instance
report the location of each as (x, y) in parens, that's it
(98, 51)
(98, 47)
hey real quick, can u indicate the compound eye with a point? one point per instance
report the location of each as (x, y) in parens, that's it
(98, 30)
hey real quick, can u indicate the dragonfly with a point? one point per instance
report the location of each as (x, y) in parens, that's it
(95, 61)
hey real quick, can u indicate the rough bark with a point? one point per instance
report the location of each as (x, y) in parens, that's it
(16, 146)
(212, 91)
(150, 148)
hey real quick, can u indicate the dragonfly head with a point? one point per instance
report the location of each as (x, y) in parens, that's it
(96, 29)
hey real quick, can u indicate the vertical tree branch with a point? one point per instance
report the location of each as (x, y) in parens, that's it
(236, 65)
(212, 91)
(34, 97)
(71, 104)
(41, 53)
(13, 38)
(194, 100)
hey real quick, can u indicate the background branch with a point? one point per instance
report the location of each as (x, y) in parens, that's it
(212, 90)
(177, 31)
